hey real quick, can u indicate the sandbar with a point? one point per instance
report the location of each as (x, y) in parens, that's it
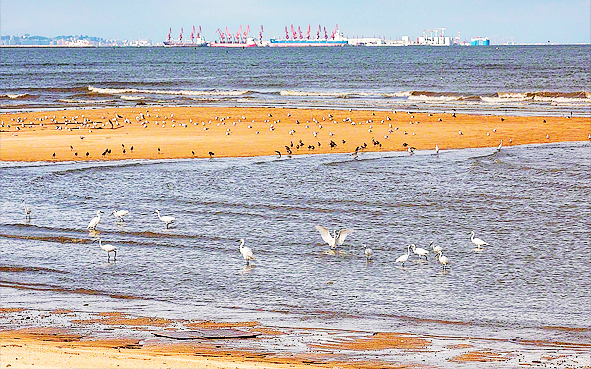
(204, 132)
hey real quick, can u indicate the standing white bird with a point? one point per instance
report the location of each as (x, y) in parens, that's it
(368, 252)
(120, 214)
(419, 251)
(402, 259)
(477, 241)
(436, 249)
(167, 219)
(246, 252)
(337, 239)
(436, 149)
(500, 146)
(442, 259)
(27, 211)
(95, 221)
(108, 248)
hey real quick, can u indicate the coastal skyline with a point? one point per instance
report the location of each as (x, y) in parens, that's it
(553, 21)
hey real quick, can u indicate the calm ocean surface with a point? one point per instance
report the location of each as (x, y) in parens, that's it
(531, 203)
(521, 80)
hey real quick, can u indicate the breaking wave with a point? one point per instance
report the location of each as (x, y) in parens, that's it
(311, 93)
(579, 97)
(122, 91)
(18, 96)
(72, 101)
(131, 98)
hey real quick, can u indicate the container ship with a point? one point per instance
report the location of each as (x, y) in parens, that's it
(195, 40)
(299, 40)
(240, 40)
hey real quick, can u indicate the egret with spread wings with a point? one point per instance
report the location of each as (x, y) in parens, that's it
(337, 239)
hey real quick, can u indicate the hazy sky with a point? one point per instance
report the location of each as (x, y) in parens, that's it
(525, 21)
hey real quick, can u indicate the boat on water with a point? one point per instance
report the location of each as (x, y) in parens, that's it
(248, 43)
(195, 40)
(237, 45)
(297, 39)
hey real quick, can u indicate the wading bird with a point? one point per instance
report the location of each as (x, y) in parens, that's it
(419, 251)
(368, 252)
(402, 259)
(477, 241)
(442, 259)
(27, 210)
(337, 239)
(120, 214)
(95, 221)
(246, 252)
(167, 219)
(436, 249)
(108, 248)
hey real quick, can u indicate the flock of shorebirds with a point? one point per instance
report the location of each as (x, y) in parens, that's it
(155, 119)
(334, 240)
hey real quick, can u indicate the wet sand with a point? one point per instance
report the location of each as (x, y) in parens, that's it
(65, 338)
(194, 132)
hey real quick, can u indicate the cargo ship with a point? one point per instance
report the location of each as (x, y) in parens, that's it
(297, 38)
(240, 40)
(195, 40)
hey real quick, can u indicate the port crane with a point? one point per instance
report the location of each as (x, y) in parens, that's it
(239, 37)
(334, 33)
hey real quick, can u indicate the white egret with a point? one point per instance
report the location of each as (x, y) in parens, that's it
(95, 221)
(337, 239)
(402, 259)
(436, 249)
(419, 251)
(500, 146)
(108, 248)
(167, 219)
(120, 214)
(246, 252)
(477, 241)
(368, 252)
(442, 259)
(436, 149)
(27, 210)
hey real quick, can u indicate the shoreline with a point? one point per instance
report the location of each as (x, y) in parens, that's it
(193, 132)
(62, 337)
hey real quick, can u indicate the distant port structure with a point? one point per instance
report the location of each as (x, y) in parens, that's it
(297, 36)
(293, 36)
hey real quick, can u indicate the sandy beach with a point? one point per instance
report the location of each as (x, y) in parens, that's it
(194, 132)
